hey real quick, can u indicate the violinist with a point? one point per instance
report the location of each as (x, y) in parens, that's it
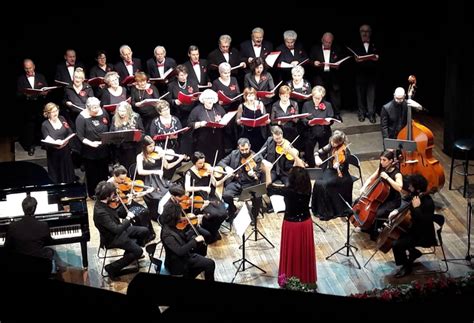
(279, 157)
(185, 251)
(248, 175)
(393, 116)
(127, 192)
(389, 172)
(326, 202)
(199, 181)
(151, 165)
(316, 134)
(421, 231)
(116, 232)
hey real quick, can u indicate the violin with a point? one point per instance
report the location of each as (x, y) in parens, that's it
(283, 149)
(184, 221)
(339, 155)
(207, 169)
(186, 202)
(138, 185)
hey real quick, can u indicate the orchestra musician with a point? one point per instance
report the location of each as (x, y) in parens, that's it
(199, 181)
(117, 233)
(248, 175)
(421, 232)
(279, 156)
(128, 192)
(185, 252)
(393, 116)
(326, 203)
(150, 165)
(389, 172)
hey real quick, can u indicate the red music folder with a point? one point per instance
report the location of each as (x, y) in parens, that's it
(129, 80)
(111, 107)
(225, 99)
(95, 81)
(223, 122)
(166, 76)
(272, 57)
(188, 99)
(259, 122)
(300, 96)
(322, 121)
(263, 94)
(45, 89)
(291, 117)
(172, 135)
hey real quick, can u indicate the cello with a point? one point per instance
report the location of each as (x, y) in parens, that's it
(420, 161)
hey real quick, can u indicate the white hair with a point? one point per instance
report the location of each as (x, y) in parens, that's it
(224, 67)
(208, 94)
(290, 34)
(92, 102)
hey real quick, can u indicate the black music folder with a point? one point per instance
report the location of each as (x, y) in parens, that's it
(121, 136)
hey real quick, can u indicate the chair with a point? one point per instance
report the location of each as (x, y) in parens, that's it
(150, 249)
(439, 220)
(106, 256)
(354, 161)
(466, 147)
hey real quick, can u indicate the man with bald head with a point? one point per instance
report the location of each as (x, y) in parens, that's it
(393, 116)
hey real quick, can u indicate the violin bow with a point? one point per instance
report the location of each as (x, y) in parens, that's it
(332, 155)
(164, 158)
(191, 224)
(248, 161)
(212, 173)
(281, 155)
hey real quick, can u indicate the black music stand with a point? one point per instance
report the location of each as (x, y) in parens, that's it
(247, 194)
(251, 193)
(180, 171)
(347, 245)
(119, 137)
(469, 223)
(408, 145)
(315, 174)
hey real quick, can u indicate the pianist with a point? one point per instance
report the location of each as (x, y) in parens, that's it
(29, 236)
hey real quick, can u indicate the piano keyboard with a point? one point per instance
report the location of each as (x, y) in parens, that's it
(62, 232)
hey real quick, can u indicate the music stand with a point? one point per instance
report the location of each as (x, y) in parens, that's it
(469, 223)
(121, 136)
(408, 145)
(180, 171)
(315, 174)
(347, 245)
(247, 195)
(251, 193)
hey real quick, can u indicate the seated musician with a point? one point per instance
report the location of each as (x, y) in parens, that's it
(248, 175)
(198, 180)
(182, 249)
(389, 172)
(150, 165)
(421, 232)
(326, 202)
(29, 236)
(279, 156)
(117, 233)
(128, 193)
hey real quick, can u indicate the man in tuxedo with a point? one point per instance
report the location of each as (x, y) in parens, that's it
(255, 47)
(128, 66)
(224, 54)
(366, 74)
(292, 53)
(31, 105)
(325, 75)
(197, 68)
(65, 70)
(393, 116)
(158, 65)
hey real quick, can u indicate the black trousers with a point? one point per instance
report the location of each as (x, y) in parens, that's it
(197, 264)
(131, 241)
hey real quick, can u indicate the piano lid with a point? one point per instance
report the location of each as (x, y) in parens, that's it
(22, 173)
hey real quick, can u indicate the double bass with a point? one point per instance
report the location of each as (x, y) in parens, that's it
(420, 161)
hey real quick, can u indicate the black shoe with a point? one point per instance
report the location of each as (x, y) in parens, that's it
(31, 151)
(338, 117)
(372, 119)
(361, 118)
(414, 254)
(113, 274)
(405, 270)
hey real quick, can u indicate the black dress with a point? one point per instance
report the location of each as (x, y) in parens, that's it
(60, 166)
(326, 202)
(256, 135)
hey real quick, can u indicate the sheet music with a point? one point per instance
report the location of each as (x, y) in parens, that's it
(12, 206)
(43, 206)
(278, 203)
(242, 220)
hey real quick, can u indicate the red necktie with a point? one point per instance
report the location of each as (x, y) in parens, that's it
(257, 45)
(128, 64)
(326, 48)
(160, 65)
(195, 63)
(70, 65)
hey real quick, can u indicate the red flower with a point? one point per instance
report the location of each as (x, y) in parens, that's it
(65, 125)
(322, 106)
(292, 110)
(263, 78)
(190, 89)
(82, 93)
(149, 91)
(105, 121)
(232, 87)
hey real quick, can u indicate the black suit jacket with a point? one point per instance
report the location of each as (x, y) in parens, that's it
(152, 69)
(122, 71)
(216, 57)
(286, 55)
(22, 83)
(192, 75)
(391, 125)
(28, 236)
(246, 50)
(62, 73)
(96, 71)
(108, 223)
(365, 67)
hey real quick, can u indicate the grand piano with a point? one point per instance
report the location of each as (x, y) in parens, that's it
(65, 210)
